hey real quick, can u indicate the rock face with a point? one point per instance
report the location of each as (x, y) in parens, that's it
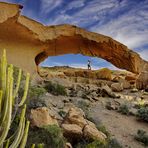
(76, 126)
(40, 117)
(28, 42)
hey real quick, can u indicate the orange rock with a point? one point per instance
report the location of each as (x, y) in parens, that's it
(104, 73)
(40, 117)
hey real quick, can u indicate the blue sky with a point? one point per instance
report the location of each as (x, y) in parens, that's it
(124, 20)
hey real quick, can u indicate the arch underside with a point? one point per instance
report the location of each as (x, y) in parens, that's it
(117, 54)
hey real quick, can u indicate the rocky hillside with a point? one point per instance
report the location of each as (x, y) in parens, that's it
(89, 109)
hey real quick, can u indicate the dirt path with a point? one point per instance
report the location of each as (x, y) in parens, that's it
(122, 127)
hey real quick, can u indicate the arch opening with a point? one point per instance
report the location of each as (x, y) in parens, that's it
(76, 61)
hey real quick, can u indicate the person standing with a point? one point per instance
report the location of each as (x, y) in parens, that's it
(89, 65)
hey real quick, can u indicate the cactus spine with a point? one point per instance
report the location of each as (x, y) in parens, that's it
(7, 104)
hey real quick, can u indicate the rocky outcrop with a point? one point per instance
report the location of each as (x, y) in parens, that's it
(28, 43)
(75, 126)
(40, 117)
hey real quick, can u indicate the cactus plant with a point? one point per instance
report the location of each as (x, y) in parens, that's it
(8, 95)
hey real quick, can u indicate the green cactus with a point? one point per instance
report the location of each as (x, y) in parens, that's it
(7, 103)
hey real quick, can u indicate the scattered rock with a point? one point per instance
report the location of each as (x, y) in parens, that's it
(112, 105)
(125, 84)
(134, 90)
(133, 111)
(40, 117)
(68, 145)
(117, 87)
(106, 90)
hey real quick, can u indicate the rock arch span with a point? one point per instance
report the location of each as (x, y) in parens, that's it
(28, 42)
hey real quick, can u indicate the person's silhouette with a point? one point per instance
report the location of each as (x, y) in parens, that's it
(89, 65)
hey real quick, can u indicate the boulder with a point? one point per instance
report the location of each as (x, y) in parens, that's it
(104, 73)
(142, 80)
(72, 130)
(91, 132)
(40, 117)
(76, 116)
(134, 90)
(125, 84)
(117, 87)
(107, 90)
(130, 77)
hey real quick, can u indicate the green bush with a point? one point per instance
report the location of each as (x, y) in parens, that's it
(55, 88)
(142, 113)
(51, 136)
(36, 92)
(62, 113)
(103, 129)
(124, 109)
(142, 136)
(95, 144)
(113, 143)
(35, 96)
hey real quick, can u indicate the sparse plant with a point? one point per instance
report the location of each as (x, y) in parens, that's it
(50, 135)
(55, 88)
(103, 129)
(36, 94)
(142, 136)
(142, 113)
(62, 113)
(113, 143)
(83, 105)
(95, 144)
(124, 109)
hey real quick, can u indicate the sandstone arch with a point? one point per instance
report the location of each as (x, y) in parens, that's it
(28, 42)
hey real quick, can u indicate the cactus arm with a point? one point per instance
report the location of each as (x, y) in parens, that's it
(5, 104)
(16, 141)
(25, 90)
(33, 146)
(3, 72)
(24, 139)
(7, 143)
(17, 84)
(1, 95)
(40, 145)
(8, 117)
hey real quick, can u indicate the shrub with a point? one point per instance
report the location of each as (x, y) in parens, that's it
(36, 92)
(113, 143)
(62, 113)
(84, 106)
(103, 129)
(142, 113)
(55, 88)
(90, 144)
(35, 96)
(95, 144)
(50, 136)
(124, 109)
(142, 136)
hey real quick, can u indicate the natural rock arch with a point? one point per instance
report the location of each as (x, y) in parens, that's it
(28, 42)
